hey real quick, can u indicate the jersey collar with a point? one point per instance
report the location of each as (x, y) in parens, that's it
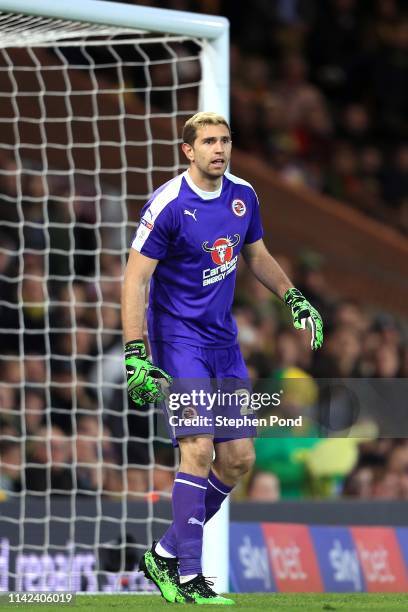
(205, 195)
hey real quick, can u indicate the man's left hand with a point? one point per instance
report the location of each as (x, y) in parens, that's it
(304, 314)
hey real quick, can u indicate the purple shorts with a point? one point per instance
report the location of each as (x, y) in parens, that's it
(210, 392)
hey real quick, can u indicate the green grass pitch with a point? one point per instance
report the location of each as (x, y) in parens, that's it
(255, 601)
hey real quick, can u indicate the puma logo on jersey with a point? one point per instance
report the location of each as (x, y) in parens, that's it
(192, 214)
(193, 521)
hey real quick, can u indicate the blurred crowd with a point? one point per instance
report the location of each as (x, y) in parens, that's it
(321, 86)
(358, 344)
(63, 405)
(66, 423)
(317, 92)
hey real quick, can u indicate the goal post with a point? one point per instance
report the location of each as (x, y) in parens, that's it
(212, 29)
(92, 96)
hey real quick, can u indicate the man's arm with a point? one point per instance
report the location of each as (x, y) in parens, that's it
(266, 268)
(138, 273)
(269, 273)
(143, 378)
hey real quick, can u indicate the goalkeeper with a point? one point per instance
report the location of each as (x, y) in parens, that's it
(186, 247)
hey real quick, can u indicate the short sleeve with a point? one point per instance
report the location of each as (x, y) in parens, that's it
(255, 229)
(153, 236)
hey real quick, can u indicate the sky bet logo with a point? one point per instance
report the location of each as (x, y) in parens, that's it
(292, 558)
(254, 561)
(250, 569)
(287, 561)
(345, 564)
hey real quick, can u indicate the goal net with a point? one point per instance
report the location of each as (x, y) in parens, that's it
(90, 118)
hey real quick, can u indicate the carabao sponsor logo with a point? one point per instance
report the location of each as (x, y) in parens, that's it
(222, 250)
(214, 275)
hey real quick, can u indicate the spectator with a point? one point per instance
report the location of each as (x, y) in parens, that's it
(387, 362)
(287, 352)
(97, 465)
(356, 126)
(388, 79)
(34, 411)
(8, 405)
(284, 454)
(164, 471)
(312, 280)
(10, 466)
(88, 457)
(298, 95)
(343, 182)
(8, 266)
(395, 187)
(347, 313)
(49, 462)
(385, 484)
(333, 46)
(340, 357)
(383, 25)
(35, 369)
(263, 487)
(404, 483)
(359, 483)
(137, 483)
(69, 394)
(398, 459)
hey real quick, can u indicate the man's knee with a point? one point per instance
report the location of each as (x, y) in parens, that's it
(196, 452)
(243, 463)
(236, 463)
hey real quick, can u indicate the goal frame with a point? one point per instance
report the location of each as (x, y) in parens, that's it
(213, 96)
(214, 90)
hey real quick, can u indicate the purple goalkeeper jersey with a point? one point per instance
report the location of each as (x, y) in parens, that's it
(196, 236)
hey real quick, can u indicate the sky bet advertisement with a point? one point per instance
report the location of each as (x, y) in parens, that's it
(264, 557)
(291, 558)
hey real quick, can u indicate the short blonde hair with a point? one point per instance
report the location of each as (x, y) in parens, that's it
(198, 121)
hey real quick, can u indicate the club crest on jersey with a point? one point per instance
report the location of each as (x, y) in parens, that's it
(222, 250)
(238, 208)
(189, 412)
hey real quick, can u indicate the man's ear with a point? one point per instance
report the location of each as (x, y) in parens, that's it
(188, 151)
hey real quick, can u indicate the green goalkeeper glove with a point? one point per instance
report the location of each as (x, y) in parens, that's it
(143, 378)
(304, 314)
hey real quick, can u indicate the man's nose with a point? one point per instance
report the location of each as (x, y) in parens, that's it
(220, 146)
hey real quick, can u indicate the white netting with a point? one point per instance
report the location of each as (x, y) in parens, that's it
(88, 128)
(18, 30)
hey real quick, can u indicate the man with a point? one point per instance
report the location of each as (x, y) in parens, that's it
(191, 232)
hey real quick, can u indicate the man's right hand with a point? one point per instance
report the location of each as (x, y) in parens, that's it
(143, 378)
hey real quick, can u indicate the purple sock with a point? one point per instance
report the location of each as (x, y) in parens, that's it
(216, 492)
(184, 537)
